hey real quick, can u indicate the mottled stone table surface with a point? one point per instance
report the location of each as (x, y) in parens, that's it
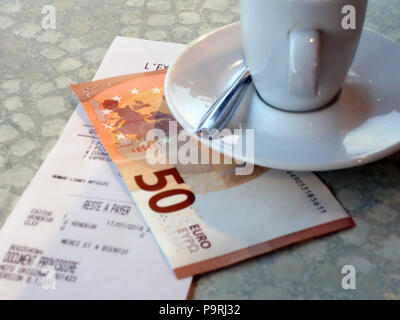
(37, 66)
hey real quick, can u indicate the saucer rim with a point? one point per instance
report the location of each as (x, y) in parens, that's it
(337, 165)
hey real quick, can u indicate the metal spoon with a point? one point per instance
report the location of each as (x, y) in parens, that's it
(222, 109)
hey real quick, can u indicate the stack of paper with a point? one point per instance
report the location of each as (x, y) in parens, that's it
(77, 231)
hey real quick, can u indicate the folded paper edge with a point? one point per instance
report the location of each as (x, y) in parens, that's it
(262, 248)
(88, 90)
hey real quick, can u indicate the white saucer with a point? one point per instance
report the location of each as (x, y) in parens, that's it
(363, 125)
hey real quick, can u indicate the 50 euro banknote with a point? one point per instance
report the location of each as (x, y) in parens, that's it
(204, 216)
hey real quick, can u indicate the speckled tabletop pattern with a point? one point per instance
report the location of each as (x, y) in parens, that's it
(37, 66)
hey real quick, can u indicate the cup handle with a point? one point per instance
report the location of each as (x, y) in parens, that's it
(304, 62)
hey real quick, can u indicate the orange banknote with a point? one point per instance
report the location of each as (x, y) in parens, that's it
(203, 215)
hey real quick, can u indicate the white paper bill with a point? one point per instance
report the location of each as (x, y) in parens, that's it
(75, 232)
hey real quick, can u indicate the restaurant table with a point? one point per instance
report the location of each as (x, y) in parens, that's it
(37, 66)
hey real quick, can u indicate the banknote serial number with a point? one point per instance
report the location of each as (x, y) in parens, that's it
(307, 192)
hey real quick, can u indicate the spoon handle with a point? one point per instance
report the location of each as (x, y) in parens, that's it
(222, 109)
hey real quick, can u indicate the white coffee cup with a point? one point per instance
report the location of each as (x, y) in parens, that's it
(299, 51)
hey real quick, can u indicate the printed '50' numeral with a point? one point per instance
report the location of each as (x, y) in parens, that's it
(161, 184)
